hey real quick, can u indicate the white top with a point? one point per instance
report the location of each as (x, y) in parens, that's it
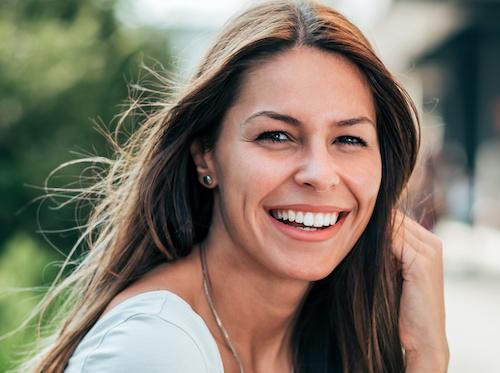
(152, 332)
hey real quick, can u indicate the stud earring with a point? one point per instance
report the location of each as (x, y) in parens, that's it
(207, 180)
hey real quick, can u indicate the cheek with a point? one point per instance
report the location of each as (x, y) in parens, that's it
(247, 175)
(363, 178)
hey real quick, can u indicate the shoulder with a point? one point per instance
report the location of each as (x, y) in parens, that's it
(151, 332)
(146, 343)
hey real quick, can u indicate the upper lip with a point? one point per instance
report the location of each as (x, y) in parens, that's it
(305, 208)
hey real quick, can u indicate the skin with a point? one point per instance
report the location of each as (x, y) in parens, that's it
(422, 318)
(259, 275)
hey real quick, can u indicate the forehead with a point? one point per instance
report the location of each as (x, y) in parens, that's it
(307, 82)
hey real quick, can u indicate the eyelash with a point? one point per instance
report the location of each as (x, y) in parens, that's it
(347, 140)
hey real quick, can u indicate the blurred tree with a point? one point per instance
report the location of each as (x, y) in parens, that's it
(22, 264)
(62, 64)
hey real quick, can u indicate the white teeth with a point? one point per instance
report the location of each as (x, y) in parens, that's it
(308, 219)
(318, 220)
(334, 217)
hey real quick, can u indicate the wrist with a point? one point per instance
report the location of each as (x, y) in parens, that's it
(427, 362)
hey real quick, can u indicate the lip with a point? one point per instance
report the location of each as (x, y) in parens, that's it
(309, 236)
(305, 208)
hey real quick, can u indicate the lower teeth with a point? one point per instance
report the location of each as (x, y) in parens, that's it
(307, 228)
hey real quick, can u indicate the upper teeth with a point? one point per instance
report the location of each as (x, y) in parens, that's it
(309, 219)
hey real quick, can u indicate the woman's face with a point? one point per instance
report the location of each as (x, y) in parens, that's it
(299, 141)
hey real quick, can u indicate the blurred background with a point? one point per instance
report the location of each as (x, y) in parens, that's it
(65, 68)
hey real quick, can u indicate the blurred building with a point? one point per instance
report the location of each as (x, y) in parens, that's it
(463, 71)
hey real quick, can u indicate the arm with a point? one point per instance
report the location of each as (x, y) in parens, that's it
(422, 315)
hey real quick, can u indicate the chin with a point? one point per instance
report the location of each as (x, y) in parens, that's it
(312, 271)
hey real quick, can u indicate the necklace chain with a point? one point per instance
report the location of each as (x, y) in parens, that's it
(206, 288)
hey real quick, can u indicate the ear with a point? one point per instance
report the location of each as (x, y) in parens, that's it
(204, 162)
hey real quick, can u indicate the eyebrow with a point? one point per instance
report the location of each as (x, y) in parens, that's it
(295, 122)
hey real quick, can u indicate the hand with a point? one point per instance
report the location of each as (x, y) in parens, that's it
(422, 315)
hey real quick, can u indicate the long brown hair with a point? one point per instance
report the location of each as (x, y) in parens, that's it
(154, 210)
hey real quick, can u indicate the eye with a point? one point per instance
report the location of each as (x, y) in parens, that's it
(351, 140)
(274, 136)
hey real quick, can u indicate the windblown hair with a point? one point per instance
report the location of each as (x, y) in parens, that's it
(154, 210)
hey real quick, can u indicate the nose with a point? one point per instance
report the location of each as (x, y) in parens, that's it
(318, 170)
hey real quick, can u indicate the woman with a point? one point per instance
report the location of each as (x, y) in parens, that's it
(251, 225)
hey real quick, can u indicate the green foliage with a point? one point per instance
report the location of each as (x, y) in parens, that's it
(63, 64)
(23, 264)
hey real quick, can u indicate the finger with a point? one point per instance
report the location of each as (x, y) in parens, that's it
(402, 221)
(417, 257)
(426, 243)
(405, 226)
(401, 230)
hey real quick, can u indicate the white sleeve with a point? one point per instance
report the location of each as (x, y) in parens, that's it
(145, 343)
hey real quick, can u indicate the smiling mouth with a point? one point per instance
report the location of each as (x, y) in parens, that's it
(308, 221)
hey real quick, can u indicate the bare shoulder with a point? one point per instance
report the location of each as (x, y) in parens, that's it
(180, 277)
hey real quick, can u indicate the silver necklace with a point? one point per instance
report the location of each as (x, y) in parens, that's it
(223, 330)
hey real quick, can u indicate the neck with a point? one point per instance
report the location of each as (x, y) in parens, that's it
(256, 307)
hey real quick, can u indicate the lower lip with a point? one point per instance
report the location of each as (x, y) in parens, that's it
(302, 235)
